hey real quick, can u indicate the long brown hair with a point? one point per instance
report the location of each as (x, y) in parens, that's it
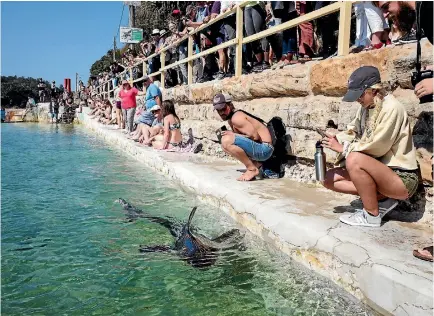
(167, 108)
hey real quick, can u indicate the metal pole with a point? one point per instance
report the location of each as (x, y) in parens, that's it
(131, 20)
(76, 82)
(114, 48)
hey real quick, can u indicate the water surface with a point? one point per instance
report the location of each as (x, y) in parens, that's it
(67, 248)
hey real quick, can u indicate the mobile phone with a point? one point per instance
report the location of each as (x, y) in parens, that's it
(321, 132)
(219, 133)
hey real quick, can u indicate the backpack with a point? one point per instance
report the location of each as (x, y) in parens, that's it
(275, 127)
(274, 167)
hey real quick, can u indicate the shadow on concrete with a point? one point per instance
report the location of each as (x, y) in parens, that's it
(409, 211)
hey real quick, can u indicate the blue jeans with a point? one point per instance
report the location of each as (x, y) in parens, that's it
(255, 151)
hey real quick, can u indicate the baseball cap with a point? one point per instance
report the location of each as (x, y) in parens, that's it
(125, 82)
(361, 79)
(176, 12)
(156, 32)
(156, 107)
(220, 100)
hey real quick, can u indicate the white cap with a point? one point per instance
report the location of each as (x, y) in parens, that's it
(156, 32)
(156, 107)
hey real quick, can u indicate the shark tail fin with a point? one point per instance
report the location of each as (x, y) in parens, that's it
(190, 218)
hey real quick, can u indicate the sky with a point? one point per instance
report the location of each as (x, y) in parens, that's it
(55, 40)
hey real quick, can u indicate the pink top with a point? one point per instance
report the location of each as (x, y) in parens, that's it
(128, 98)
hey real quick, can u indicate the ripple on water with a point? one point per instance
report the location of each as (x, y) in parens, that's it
(79, 254)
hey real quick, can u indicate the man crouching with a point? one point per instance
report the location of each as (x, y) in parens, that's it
(249, 141)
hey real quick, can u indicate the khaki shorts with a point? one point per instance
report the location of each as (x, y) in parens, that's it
(410, 178)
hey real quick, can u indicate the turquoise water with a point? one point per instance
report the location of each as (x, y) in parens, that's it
(67, 248)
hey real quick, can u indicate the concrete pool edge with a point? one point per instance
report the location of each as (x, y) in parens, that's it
(387, 278)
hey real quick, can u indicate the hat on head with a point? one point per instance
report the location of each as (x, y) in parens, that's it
(125, 82)
(361, 79)
(145, 77)
(163, 32)
(156, 32)
(220, 100)
(176, 12)
(156, 107)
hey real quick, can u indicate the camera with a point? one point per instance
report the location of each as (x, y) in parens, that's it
(418, 76)
(219, 133)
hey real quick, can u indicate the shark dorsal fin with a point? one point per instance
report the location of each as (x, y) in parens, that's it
(190, 218)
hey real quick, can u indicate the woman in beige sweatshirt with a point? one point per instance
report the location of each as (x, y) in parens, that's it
(380, 159)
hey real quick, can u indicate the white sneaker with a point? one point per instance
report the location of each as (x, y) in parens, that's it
(361, 218)
(386, 206)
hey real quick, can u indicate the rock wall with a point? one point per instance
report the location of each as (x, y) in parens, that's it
(309, 96)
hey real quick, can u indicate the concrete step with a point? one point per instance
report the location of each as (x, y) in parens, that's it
(374, 264)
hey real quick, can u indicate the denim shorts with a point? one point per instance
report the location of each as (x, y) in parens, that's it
(254, 150)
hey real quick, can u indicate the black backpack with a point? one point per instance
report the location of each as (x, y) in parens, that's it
(278, 138)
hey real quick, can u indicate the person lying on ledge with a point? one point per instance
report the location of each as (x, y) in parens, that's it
(249, 141)
(380, 157)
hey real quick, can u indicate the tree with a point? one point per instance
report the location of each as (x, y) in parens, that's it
(149, 16)
(16, 90)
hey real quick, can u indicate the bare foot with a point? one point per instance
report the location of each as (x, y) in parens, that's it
(424, 254)
(249, 175)
(241, 177)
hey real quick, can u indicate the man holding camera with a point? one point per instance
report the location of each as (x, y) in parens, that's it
(249, 141)
(395, 10)
(423, 88)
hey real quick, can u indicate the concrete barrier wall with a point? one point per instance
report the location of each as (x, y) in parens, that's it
(309, 96)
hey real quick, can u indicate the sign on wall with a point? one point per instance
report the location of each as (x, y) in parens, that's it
(130, 35)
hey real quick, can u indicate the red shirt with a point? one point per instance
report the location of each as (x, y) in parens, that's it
(128, 98)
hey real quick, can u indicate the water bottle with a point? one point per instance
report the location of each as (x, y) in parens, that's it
(320, 162)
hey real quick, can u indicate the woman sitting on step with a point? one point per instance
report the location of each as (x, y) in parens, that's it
(380, 157)
(172, 137)
(148, 132)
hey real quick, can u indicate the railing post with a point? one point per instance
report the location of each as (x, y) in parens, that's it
(344, 28)
(190, 63)
(239, 45)
(162, 62)
(145, 68)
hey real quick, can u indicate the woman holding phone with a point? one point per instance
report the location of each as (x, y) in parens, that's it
(380, 157)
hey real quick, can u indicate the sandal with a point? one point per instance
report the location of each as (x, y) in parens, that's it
(422, 256)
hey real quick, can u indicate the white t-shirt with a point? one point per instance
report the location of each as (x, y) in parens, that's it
(226, 5)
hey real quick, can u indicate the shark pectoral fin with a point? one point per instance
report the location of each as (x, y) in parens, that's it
(155, 249)
(227, 235)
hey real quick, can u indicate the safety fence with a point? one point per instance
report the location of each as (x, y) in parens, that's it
(343, 7)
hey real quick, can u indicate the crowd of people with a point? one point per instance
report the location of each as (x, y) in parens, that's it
(317, 39)
(153, 123)
(57, 99)
(376, 155)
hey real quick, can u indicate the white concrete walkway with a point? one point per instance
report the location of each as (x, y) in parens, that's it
(374, 264)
